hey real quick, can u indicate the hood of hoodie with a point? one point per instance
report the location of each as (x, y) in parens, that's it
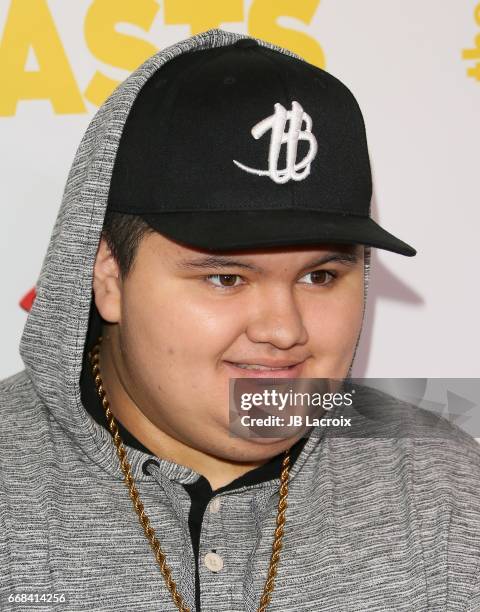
(54, 337)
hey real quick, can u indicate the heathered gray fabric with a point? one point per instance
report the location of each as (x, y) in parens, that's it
(377, 524)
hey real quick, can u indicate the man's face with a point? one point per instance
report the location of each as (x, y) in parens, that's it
(187, 321)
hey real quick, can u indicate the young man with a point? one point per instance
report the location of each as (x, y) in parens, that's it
(218, 207)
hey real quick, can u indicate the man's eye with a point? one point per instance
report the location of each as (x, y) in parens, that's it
(224, 280)
(319, 277)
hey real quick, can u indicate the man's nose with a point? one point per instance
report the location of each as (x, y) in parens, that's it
(276, 318)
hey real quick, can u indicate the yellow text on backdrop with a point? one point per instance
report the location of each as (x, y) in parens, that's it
(30, 28)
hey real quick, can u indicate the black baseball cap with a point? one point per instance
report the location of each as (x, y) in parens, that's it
(243, 146)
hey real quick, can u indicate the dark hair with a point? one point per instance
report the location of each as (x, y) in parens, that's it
(123, 233)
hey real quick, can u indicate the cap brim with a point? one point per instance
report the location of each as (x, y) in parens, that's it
(241, 230)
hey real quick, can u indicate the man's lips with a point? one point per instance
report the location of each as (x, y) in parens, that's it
(265, 369)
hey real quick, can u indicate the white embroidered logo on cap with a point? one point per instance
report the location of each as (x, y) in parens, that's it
(276, 123)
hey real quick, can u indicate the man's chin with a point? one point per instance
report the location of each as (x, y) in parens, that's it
(255, 448)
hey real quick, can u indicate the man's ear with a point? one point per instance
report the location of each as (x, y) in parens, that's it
(107, 284)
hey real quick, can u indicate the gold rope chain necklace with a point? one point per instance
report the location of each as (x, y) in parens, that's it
(144, 520)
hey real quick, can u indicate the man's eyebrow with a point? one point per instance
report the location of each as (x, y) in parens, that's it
(347, 259)
(216, 261)
(220, 261)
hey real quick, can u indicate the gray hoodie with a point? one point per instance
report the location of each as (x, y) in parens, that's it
(373, 523)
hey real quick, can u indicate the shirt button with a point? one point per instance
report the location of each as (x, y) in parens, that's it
(215, 505)
(213, 561)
